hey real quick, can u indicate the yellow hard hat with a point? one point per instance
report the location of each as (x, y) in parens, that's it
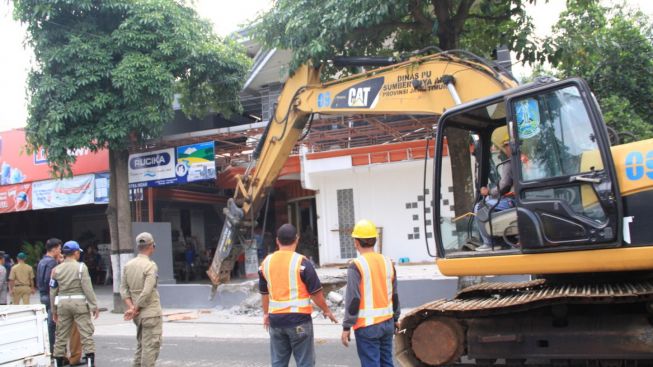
(500, 136)
(364, 229)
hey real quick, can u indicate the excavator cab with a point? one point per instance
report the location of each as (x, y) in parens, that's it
(543, 151)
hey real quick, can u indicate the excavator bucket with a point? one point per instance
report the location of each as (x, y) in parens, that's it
(228, 248)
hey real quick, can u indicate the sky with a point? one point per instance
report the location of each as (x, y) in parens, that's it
(226, 15)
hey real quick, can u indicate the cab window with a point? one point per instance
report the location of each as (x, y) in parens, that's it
(556, 135)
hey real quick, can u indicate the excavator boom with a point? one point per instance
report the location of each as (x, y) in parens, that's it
(422, 86)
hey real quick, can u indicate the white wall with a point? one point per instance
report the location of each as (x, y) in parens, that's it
(381, 194)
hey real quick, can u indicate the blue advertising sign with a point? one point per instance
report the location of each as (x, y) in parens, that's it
(195, 162)
(102, 188)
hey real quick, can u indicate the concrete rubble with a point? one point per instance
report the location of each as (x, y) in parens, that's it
(250, 305)
(243, 299)
(335, 298)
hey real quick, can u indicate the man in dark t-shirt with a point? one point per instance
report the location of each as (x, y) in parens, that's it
(43, 274)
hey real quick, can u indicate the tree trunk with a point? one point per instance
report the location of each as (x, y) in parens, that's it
(449, 40)
(119, 217)
(461, 171)
(459, 142)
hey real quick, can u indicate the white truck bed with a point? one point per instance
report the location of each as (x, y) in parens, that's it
(24, 336)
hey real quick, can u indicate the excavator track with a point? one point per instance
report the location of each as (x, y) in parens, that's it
(560, 323)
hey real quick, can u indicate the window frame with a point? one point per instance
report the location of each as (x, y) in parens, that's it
(559, 162)
(601, 133)
(612, 204)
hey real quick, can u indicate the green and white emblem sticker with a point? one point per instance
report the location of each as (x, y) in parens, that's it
(528, 118)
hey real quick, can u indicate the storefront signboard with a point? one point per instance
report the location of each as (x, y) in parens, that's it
(78, 190)
(150, 169)
(19, 166)
(172, 166)
(195, 162)
(102, 188)
(15, 198)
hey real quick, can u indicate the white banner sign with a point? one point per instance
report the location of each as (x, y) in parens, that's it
(79, 190)
(152, 168)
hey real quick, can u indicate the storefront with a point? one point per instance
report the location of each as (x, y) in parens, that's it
(35, 207)
(176, 185)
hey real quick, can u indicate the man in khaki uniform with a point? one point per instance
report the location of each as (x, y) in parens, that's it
(138, 290)
(21, 281)
(75, 341)
(73, 300)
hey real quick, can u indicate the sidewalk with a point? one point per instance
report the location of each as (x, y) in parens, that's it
(206, 324)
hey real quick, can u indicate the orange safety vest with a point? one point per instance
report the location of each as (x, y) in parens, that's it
(287, 291)
(375, 289)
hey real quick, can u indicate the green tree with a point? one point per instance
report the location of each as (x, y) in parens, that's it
(34, 252)
(105, 77)
(321, 29)
(612, 49)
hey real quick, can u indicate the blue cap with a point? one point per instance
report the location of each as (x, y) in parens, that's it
(21, 255)
(70, 247)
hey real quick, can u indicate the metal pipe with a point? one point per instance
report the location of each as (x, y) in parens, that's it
(150, 205)
(449, 81)
(363, 61)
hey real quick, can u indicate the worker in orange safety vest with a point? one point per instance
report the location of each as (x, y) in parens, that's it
(371, 301)
(287, 282)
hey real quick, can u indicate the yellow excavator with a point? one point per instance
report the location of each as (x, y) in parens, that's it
(576, 215)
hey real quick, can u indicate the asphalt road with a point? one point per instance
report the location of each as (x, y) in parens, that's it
(119, 351)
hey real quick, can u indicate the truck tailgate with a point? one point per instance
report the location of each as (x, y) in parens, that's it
(24, 336)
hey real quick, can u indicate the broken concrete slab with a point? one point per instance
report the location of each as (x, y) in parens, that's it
(331, 282)
(335, 297)
(181, 316)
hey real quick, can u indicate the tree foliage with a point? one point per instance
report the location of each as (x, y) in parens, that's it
(34, 252)
(320, 29)
(107, 71)
(612, 49)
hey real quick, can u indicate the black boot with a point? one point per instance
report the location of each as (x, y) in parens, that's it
(58, 362)
(90, 359)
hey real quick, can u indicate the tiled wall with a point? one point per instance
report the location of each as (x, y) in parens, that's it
(346, 218)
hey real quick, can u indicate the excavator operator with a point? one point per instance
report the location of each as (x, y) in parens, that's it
(500, 197)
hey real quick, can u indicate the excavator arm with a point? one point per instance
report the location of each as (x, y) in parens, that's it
(421, 85)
